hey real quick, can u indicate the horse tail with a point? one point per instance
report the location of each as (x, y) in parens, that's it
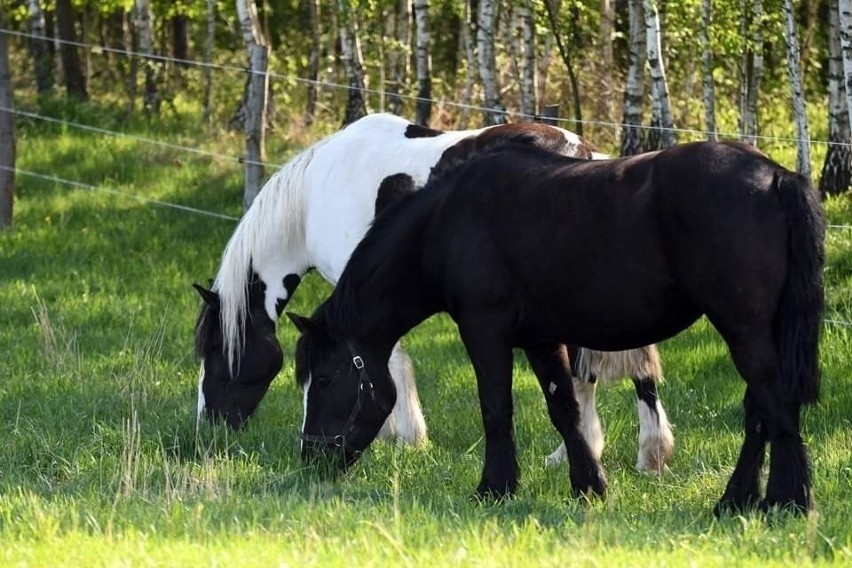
(798, 320)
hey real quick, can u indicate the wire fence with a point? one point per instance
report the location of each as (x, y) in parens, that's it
(98, 49)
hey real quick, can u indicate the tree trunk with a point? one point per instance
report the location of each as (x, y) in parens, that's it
(494, 109)
(398, 30)
(356, 106)
(423, 63)
(634, 90)
(659, 87)
(836, 172)
(606, 85)
(708, 86)
(145, 33)
(180, 41)
(527, 24)
(209, 44)
(313, 61)
(751, 67)
(845, 9)
(7, 136)
(468, 30)
(75, 81)
(803, 156)
(254, 102)
(552, 8)
(39, 49)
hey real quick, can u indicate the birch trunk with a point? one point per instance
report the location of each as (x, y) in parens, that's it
(254, 104)
(803, 156)
(422, 60)
(836, 172)
(845, 9)
(42, 61)
(144, 31)
(606, 87)
(708, 86)
(397, 31)
(471, 68)
(349, 54)
(7, 136)
(209, 43)
(659, 87)
(634, 90)
(313, 60)
(527, 25)
(751, 68)
(494, 110)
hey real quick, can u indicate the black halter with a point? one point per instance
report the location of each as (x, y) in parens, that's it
(364, 386)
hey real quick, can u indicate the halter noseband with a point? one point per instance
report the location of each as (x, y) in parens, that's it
(364, 385)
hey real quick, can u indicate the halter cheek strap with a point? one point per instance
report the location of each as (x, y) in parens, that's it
(364, 386)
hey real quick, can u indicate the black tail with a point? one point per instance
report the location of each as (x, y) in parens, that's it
(799, 317)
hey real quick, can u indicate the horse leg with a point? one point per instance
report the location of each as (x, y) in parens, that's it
(553, 371)
(656, 442)
(590, 423)
(743, 489)
(491, 356)
(777, 421)
(405, 423)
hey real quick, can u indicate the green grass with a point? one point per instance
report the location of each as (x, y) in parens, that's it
(101, 463)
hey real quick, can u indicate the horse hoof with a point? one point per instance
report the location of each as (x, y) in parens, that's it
(735, 506)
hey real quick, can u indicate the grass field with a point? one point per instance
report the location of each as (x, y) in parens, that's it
(101, 462)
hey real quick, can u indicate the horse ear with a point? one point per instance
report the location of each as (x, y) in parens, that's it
(209, 296)
(307, 326)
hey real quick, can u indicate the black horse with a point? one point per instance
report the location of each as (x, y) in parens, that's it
(525, 248)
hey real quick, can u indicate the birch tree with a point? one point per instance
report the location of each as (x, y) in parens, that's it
(398, 30)
(144, 32)
(751, 67)
(312, 7)
(659, 87)
(708, 87)
(494, 111)
(836, 172)
(356, 107)
(209, 43)
(634, 90)
(466, 33)
(7, 136)
(254, 104)
(42, 61)
(423, 63)
(528, 68)
(845, 9)
(803, 155)
(606, 84)
(75, 81)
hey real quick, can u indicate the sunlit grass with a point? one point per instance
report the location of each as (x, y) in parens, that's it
(101, 462)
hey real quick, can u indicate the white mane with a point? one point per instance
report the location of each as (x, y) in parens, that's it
(274, 221)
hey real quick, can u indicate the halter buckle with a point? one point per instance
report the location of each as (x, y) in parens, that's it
(358, 362)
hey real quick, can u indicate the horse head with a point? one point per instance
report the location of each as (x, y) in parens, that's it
(348, 392)
(232, 384)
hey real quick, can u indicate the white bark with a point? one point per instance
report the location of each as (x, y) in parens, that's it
(249, 23)
(803, 156)
(634, 90)
(487, 62)
(38, 48)
(845, 9)
(708, 86)
(751, 68)
(142, 21)
(528, 69)
(356, 106)
(423, 62)
(607, 88)
(254, 100)
(836, 170)
(659, 87)
(209, 43)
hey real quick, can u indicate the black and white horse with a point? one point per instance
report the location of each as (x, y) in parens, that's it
(311, 214)
(525, 248)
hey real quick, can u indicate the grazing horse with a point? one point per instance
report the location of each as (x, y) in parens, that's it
(311, 214)
(526, 248)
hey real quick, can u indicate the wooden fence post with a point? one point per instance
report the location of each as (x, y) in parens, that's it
(255, 122)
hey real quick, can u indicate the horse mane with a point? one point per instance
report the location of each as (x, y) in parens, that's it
(274, 219)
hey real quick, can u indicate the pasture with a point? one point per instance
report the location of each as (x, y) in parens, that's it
(101, 462)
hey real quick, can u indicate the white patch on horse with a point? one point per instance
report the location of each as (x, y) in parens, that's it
(405, 423)
(656, 442)
(306, 387)
(201, 402)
